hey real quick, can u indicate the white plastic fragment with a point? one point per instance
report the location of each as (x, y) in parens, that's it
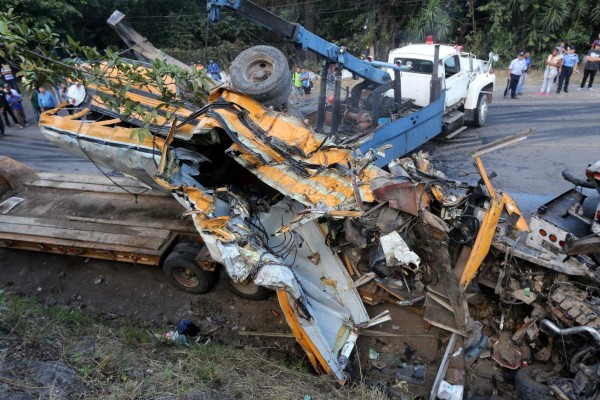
(396, 250)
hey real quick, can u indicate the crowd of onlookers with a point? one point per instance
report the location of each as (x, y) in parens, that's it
(560, 65)
(11, 99)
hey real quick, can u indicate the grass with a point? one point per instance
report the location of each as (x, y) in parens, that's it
(126, 362)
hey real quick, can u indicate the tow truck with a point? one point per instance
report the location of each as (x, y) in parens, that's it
(375, 115)
(468, 82)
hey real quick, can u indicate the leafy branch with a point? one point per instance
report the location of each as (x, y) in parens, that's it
(34, 52)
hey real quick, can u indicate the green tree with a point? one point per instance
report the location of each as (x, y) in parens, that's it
(36, 50)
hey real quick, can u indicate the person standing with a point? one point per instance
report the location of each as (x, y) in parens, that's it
(305, 78)
(515, 70)
(61, 93)
(553, 62)
(592, 59)
(562, 50)
(1, 121)
(569, 64)
(9, 77)
(595, 42)
(527, 59)
(6, 110)
(33, 96)
(75, 96)
(214, 71)
(16, 103)
(45, 100)
(296, 78)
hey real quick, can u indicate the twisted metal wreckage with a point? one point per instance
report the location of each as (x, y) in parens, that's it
(304, 213)
(313, 221)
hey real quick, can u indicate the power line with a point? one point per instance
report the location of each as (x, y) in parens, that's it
(360, 4)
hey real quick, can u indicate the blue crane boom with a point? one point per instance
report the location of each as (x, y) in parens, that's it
(308, 40)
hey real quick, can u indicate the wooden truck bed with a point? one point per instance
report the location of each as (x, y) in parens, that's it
(89, 216)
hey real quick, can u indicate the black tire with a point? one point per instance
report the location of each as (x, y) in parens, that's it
(530, 389)
(181, 271)
(247, 290)
(480, 113)
(279, 102)
(188, 247)
(262, 72)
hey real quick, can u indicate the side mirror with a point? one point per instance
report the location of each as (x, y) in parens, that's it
(493, 56)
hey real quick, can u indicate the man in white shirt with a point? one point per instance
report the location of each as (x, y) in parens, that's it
(75, 96)
(515, 70)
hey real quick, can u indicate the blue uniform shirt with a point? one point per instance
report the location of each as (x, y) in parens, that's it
(569, 60)
(46, 100)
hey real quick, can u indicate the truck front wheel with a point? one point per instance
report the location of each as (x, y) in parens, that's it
(480, 114)
(246, 290)
(181, 271)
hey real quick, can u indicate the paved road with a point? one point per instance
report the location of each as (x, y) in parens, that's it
(567, 136)
(30, 147)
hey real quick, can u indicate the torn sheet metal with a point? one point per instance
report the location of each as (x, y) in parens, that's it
(333, 311)
(105, 144)
(319, 302)
(274, 241)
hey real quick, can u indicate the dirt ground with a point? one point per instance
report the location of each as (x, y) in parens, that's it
(113, 292)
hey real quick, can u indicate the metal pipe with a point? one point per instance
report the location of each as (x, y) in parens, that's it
(397, 90)
(322, 96)
(337, 89)
(443, 367)
(435, 91)
(570, 331)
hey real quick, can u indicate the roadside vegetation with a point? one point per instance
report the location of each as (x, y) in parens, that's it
(126, 362)
(180, 27)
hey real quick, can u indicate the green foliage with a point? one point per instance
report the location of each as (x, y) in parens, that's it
(36, 51)
(180, 27)
(57, 14)
(433, 19)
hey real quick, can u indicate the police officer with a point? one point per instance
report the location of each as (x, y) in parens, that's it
(570, 61)
(515, 70)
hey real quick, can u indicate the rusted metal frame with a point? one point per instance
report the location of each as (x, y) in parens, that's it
(57, 248)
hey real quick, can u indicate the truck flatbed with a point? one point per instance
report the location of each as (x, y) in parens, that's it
(114, 218)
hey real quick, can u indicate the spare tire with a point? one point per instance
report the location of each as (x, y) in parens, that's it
(263, 73)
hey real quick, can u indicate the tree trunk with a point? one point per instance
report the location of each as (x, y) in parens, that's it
(310, 17)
